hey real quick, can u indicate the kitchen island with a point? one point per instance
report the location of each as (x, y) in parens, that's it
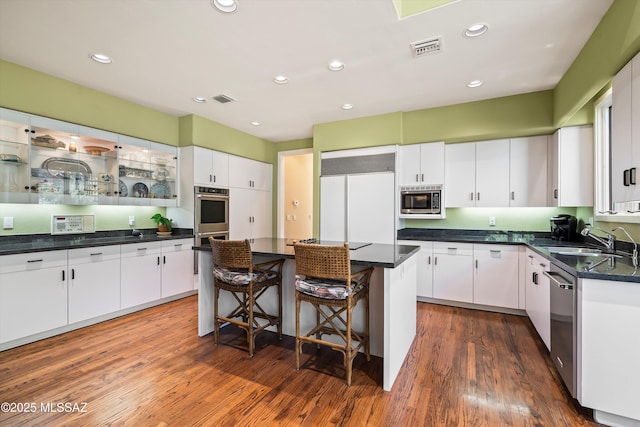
(392, 296)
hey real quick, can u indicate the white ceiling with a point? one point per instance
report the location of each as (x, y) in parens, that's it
(165, 52)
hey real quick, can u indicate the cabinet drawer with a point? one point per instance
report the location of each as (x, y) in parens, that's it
(140, 249)
(94, 254)
(32, 261)
(453, 248)
(495, 251)
(177, 245)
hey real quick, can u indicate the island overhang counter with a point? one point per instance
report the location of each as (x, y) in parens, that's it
(392, 295)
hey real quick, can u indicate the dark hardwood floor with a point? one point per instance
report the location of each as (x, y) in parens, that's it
(466, 368)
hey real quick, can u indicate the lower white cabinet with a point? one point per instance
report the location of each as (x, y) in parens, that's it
(33, 293)
(141, 270)
(453, 271)
(177, 267)
(495, 280)
(94, 282)
(424, 261)
(538, 302)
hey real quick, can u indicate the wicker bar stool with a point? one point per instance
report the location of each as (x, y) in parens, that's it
(234, 271)
(324, 280)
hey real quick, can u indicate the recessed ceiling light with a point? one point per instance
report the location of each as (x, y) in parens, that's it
(476, 30)
(101, 58)
(336, 65)
(226, 6)
(474, 83)
(281, 80)
(199, 100)
(256, 123)
(346, 106)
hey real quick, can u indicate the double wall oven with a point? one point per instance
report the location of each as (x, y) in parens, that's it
(211, 215)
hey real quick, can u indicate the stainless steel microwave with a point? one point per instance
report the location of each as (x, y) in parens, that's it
(422, 200)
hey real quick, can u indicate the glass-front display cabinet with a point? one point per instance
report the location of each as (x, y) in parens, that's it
(53, 162)
(14, 157)
(146, 172)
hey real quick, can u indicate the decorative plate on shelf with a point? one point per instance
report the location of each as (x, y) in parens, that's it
(122, 188)
(160, 190)
(95, 150)
(140, 190)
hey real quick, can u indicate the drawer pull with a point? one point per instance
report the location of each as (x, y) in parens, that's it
(179, 245)
(35, 260)
(495, 251)
(96, 253)
(142, 249)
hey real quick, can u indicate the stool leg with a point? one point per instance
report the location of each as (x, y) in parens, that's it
(367, 347)
(250, 335)
(298, 345)
(216, 325)
(348, 354)
(280, 309)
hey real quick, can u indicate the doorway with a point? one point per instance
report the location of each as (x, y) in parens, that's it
(295, 195)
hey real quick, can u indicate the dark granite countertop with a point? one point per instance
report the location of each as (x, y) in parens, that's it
(602, 267)
(18, 244)
(369, 254)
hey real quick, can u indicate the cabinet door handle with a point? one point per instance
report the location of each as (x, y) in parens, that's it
(555, 193)
(513, 195)
(73, 274)
(214, 178)
(417, 180)
(471, 196)
(210, 178)
(632, 176)
(478, 196)
(626, 177)
(429, 260)
(63, 276)
(158, 260)
(476, 264)
(435, 260)
(422, 179)
(35, 260)
(164, 259)
(534, 278)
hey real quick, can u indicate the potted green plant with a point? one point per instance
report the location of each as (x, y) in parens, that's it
(164, 223)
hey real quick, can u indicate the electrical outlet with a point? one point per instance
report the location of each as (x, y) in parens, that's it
(492, 220)
(7, 222)
(132, 220)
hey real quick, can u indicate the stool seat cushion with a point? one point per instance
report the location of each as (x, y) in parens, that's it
(239, 277)
(323, 288)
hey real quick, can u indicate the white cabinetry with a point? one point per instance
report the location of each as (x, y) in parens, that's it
(358, 208)
(209, 167)
(608, 315)
(570, 177)
(140, 278)
(538, 305)
(453, 271)
(495, 280)
(94, 282)
(528, 172)
(177, 267)
(424, 261)
(477, 174)
(251, 174)
(33, 293)
(250, 215)
(625, 133)
(422, 164)
(14, 166)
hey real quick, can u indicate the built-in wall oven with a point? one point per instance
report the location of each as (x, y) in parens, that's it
(211, 215)
(563, 299)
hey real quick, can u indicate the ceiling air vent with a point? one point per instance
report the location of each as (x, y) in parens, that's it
(223, 99)
(426, 47)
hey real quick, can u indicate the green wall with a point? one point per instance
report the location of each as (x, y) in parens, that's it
(27, 90)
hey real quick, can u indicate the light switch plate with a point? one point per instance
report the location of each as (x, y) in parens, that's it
(7, 222)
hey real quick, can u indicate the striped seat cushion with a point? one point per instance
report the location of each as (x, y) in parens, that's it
(239, 277)
(323, 288)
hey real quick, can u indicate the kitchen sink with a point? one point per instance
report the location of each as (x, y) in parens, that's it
(579, 251)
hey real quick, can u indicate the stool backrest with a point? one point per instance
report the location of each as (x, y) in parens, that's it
(323, 261)
(232, 253)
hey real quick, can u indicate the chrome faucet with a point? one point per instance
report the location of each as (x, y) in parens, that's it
(634, 255)
(609, 243)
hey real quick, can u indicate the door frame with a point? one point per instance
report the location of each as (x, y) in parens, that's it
(281, 184)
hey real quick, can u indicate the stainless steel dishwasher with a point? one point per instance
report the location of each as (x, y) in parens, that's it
(563, 291)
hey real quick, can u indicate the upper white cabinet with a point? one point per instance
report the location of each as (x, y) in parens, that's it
(625, 133)
(54, 162)
(477, 174)
(528, 172)
(210, 167)
(570, 168)
(247, 173)
(421, 164)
